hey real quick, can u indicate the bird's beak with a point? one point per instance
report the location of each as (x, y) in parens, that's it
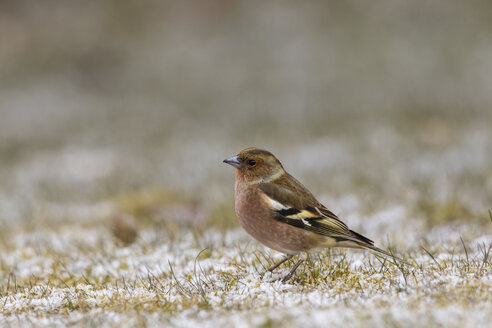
(234, 161)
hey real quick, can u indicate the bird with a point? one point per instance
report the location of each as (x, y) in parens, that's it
(278, 211)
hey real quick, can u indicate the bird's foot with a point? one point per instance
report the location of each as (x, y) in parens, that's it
(292, 271)
(286, 258)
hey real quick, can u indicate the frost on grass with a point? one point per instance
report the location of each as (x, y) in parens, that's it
(211, 278)
(61, 265)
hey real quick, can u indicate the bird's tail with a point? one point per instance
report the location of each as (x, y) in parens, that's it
(387, 254)
(366, 243)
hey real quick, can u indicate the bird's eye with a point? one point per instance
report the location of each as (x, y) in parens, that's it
(251, 162)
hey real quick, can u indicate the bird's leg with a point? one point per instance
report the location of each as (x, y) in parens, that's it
(286, 258)
(294, 268)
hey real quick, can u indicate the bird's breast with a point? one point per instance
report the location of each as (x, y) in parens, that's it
(256, 215)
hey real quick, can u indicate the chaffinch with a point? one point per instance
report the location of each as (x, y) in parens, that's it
(277, 210)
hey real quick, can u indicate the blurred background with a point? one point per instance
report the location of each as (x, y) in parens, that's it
(125, 109)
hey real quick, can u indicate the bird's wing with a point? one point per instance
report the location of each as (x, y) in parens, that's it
(296, 206)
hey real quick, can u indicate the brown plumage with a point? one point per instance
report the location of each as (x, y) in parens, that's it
(277, 210)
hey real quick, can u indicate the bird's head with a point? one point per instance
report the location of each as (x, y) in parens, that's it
(256, 165)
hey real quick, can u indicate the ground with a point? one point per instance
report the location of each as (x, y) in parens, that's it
(153, 256)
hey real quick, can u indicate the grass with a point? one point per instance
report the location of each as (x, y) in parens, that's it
(145, 253)
(63, 277)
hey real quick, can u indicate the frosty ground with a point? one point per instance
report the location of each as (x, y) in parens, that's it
(79, 277)
(177, 261)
